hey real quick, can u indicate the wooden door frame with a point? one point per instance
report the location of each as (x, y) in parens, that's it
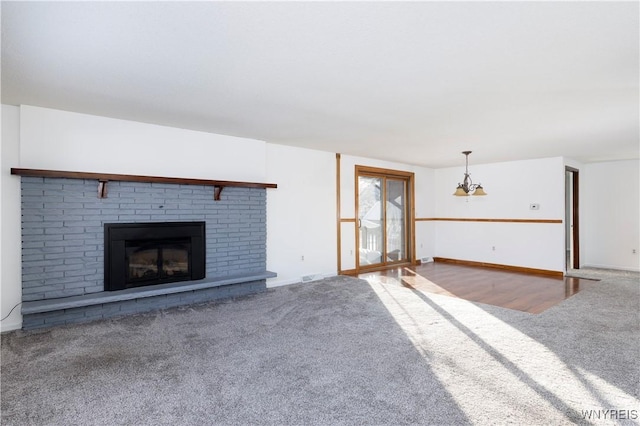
(409, 177)
(575, 217)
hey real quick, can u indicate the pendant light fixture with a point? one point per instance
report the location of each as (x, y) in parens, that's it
(467, 187)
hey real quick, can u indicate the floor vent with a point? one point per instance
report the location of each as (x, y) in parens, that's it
(313, 277)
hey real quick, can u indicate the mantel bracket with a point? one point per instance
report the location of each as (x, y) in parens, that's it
(217, 190)
(102, 188)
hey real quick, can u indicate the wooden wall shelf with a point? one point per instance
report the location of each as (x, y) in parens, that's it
(103, 178)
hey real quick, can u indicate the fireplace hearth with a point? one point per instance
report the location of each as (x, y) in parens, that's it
(145, 254)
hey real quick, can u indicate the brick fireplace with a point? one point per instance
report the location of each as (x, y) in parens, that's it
(63, 249)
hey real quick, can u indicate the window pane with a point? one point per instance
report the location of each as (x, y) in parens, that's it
(396, 240)
(370, 220)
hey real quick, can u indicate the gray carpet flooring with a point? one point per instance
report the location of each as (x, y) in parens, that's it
(339, 351)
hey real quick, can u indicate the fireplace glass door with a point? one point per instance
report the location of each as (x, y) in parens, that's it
(157, 261)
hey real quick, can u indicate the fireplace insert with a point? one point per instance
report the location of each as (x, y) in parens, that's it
(142, 254)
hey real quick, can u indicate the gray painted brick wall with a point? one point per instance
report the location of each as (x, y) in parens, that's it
(63, 235)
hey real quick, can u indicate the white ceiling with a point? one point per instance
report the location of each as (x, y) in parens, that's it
(414, 82)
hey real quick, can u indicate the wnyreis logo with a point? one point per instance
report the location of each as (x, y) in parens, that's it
(610, 414)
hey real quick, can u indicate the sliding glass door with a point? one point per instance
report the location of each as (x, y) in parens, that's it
(383, 217)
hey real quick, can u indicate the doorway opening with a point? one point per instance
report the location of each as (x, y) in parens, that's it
(384, 229)
(572, 218)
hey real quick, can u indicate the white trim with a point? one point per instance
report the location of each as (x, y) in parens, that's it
(617, 268)
(273, 283)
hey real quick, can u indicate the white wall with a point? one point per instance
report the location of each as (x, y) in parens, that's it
(301, 214)
(611, 209)
(512, 187)
(60, 140)
(10, 240)
(424, 206)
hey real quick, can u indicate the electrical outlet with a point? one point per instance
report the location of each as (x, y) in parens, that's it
(493, 248)
(302, 258)
(634, 251)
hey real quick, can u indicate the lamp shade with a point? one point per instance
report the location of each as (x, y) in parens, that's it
(479, 191)
(460, 192)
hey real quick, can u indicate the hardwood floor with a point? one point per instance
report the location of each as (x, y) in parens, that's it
(524, 292)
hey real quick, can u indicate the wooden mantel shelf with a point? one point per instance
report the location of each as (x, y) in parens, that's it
(103, 178)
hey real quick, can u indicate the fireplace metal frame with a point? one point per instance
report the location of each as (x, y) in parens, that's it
(117, 234)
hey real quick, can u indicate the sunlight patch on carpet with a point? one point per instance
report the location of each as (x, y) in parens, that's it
(473, 352)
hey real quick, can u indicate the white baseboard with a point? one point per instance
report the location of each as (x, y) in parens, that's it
(11, 324)
(274, 282)
(617, 268)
